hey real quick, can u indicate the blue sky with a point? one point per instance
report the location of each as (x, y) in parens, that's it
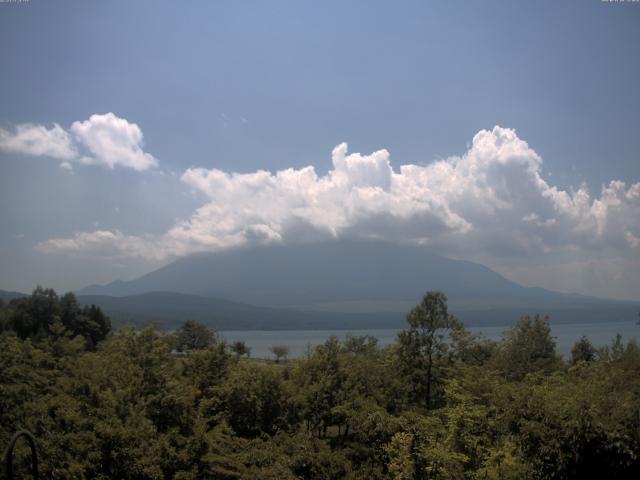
(248, 86)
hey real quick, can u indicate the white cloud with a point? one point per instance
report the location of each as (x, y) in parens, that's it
(491, 198)
(37, 140)
(109, 141)
(490, 203)
(67, 166)
(113, 141)
(101, 243)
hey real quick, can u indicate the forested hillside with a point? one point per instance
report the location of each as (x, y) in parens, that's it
(440, 403)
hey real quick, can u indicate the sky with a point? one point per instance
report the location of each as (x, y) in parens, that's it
(133, 133)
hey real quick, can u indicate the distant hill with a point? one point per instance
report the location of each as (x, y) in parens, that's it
(332, 280)
(7, 296)
(171, 309)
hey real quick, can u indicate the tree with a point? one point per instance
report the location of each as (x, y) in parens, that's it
(363, 344)
(240, 348)
(528, 347)
(321, 379)
(208, 368)
(253, 400)
(31, 316)
(89, 322)
(617, 347)
(193, 335)
(423, 450)
(471, 348)
(4, 312)
(280, 351)
(583, 351)
(422, 346)
(45, 315)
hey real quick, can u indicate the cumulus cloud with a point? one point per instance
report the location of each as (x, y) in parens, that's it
(490, 201)
(361, 195)
(491, 198)
(105, 140)
(113, 141)
(37, 140)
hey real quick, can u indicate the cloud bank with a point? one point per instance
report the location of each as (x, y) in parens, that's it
(106, 243)
(104, 140)
(493, 200)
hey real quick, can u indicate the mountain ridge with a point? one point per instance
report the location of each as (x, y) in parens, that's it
(171, 309)
(329, 272)
(336, 284)
(7, 295)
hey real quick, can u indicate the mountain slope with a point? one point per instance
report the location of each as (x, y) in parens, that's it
(331, 272)
(327, 272)
(356, 277)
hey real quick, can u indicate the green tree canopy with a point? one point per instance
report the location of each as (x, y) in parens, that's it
(44, 314)
(193, 335)
(135, 409)
(583, 351)
(240, 348)
(423, 346)
(529, 347)
(280, 352)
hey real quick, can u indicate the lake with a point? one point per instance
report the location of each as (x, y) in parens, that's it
(260, 341)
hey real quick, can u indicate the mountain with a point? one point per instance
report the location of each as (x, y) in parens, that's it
(359, 277)
(317, 273)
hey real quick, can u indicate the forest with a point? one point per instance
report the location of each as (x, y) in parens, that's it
(440, 403)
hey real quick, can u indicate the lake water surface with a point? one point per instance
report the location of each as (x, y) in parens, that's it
(260, 341)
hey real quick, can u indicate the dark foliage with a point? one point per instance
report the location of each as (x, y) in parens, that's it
(44, 314)
(439, 404)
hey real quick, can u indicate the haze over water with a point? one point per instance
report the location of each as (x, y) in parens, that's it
(260, 341)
